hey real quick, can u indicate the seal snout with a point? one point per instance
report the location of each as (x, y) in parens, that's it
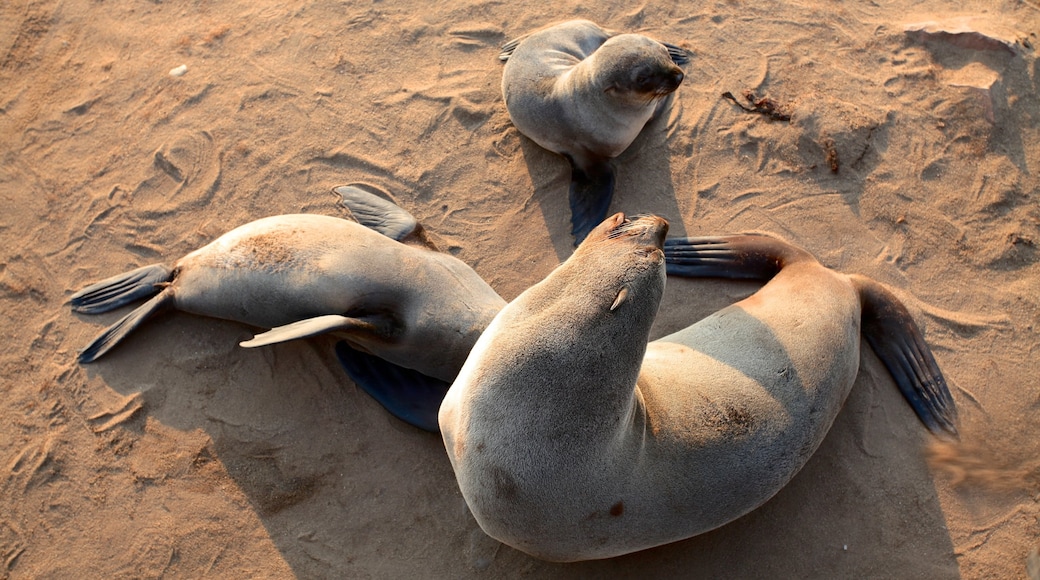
(664, 80)
(673, 79)
(657, 230)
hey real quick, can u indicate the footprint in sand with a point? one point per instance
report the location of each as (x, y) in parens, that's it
(187, 173)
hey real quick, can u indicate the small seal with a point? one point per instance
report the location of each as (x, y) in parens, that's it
(572, 438)
(586, 93)
(303, 275)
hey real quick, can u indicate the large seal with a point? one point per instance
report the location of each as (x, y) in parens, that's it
(586, 93)
(304, 275)
(572, 438)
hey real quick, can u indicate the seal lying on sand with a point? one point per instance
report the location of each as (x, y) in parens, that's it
(572, 438)
(303, 275)
(586, 93)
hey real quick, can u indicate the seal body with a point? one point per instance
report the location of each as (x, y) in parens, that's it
(585, 93)
(578, 90)
(326, 274)
(572, 438)
(288, 268)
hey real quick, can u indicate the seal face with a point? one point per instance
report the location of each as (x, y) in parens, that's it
(304, 275)
(572, 438)
(585, 93)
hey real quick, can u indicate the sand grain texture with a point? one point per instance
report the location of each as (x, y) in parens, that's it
(911, 156)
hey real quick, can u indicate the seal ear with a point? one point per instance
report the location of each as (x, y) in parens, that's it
(622, 295)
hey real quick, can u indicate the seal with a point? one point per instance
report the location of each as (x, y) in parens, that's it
(586, 93)
(572, 438)
(384, 290)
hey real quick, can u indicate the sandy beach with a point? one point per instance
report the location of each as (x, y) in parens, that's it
(911, 156)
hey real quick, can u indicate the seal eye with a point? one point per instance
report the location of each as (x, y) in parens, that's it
(643, 79)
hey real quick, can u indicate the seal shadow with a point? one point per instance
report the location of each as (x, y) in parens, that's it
(643, 183)
(327, 472)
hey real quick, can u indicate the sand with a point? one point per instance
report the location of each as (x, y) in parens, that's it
(911, 156)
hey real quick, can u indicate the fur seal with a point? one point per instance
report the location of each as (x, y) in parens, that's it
(380, 287)
(586, 93)
(572, 438)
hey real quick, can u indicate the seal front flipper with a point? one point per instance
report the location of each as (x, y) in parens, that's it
(118, 331)
(111, 293)
(374, 212)
(313, 327)
(592, 188)
(679, 55)
(509, 47)
(407, 394)
(898, 342)
(738, 257)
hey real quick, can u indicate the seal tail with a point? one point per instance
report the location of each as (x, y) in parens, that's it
(118, 331)
(592, 188)
(897, 340)
(116, 291)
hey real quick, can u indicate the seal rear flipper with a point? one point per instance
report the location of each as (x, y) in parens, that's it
(739, 257)
(111, 293)
(509, 47)
(407, 394)
(679, 55)
(311, 327)
(592, 188)
(374, 212)
(896, 339)
(118, 331)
